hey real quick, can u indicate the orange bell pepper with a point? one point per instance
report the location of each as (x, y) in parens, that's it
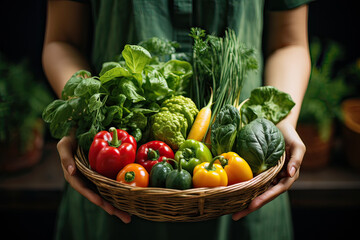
(209, 174)
(237, 169)
(133, 174)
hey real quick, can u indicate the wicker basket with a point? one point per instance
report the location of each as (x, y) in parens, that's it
(171, 205)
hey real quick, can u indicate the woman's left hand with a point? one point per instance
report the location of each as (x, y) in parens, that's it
(295, 150)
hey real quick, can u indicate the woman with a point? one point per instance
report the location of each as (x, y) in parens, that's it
(82, 35)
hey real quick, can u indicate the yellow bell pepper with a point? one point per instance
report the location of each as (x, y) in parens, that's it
(209, 174)
(237, 169)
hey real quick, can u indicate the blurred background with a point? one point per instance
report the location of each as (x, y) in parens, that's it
(326, 198)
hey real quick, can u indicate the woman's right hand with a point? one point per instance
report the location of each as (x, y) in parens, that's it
(66, 148)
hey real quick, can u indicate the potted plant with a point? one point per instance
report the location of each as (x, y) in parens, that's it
(351, 119)
(22, 100)
(322, 104)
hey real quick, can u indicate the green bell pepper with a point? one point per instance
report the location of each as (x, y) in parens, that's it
(193, 153)
(159, 173)
(179, 179)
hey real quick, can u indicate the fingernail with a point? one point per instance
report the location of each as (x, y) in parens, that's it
(292, 171)
(71, 169)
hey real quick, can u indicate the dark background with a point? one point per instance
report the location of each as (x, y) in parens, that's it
(22, 26)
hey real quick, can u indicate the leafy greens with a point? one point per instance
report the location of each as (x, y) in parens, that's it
(124, 95)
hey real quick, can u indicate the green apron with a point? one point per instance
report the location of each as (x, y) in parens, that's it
(118, 22)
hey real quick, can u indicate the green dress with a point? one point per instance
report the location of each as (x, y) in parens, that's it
(118, 22)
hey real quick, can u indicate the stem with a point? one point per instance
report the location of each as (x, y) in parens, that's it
(129, 176)
(239, 108)
(153, 154)
(115, 142)
(211, 167)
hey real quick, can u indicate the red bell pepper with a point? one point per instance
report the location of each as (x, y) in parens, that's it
(111, 151)
(153, 152)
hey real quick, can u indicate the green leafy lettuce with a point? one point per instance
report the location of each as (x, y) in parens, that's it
(124, 95)
(267, 102)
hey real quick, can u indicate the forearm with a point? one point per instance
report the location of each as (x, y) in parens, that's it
(288, 69)
(60, 61)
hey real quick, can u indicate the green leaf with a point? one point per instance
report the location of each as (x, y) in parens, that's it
(135, 120)
(113, 115)
(87, 85)
(159, 47)
(177, 74)
(73, 83)
(136, 57)
(155, 86)
(50, 111)
(224, 130)
(131, 91)
(261, 144)
(115, 72)
(95, 102)
(267, 102)
(85, 139)
(108, 66)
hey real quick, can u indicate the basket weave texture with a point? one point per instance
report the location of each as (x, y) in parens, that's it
(171, 205)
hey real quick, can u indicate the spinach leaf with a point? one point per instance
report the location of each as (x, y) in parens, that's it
(177, 74)
(155, 86)
(131, 91)
(58, 114)
(224, 130)
(136, 57)
(108, 66)
(261, 144)
(87, 85)
(73, 83)
(267, 102)
(114, 72)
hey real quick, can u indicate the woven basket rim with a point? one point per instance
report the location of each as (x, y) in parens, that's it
(83, 166)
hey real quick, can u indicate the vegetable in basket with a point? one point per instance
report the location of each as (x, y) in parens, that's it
(201, 124)
(159, 173)
(192, 153)
(236, 168)
(125, 94)
(134, 175)
(209, 174)
(224, 130)
(172, 123)
(267, 102)
(153, 152)
(179, 179)
(111, 151)
(261, 144)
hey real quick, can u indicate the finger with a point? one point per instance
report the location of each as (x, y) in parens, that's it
(65, 148)
(297, 152)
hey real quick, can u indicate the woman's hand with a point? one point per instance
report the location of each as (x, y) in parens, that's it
(295, 150)
(66, 148)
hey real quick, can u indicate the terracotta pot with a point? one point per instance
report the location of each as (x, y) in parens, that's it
(351, 131)
(318, 151)
(13, 159)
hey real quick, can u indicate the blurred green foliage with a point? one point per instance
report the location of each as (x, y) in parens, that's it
(327, 87)
(22, 100)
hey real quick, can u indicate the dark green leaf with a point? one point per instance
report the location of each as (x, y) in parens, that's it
(261, 144)
(131, 91)
(224, 130)
(87, 85)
